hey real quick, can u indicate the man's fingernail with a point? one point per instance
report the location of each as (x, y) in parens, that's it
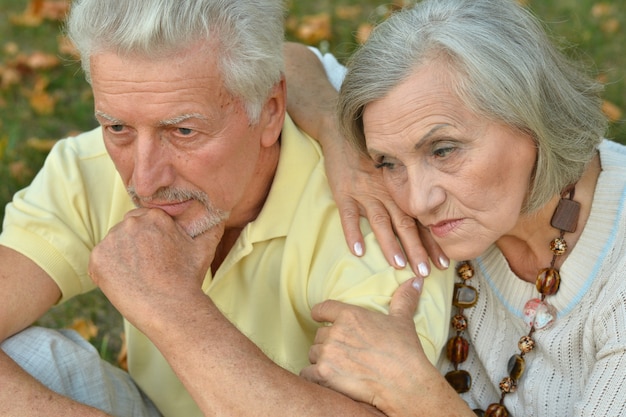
(399, 261)
(358, 249)
(423, 269)
(418, 283)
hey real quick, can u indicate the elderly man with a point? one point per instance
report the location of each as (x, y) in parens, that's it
(202, 213)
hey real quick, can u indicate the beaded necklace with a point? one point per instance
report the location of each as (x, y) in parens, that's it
(538, 314)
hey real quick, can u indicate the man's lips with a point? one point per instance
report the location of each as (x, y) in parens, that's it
(173, 209)
(445, 227)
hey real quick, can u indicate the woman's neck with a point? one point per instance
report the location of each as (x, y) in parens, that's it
(526, 247)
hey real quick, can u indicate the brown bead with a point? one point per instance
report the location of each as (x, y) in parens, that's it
(558, 246)
(465, 296)
(516, 366)
(459, 322)
(457, 349)
(508, 385)
(496, 410)
(548, 281)
(465, 271)
(565, 216)
(460, 380)
(526, 344)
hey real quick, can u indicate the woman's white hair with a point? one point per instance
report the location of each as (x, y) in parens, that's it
(249, 35)
(504, 68)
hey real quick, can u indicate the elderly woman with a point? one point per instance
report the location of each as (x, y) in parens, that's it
(491, 139)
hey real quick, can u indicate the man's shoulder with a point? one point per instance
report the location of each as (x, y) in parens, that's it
(85, 145)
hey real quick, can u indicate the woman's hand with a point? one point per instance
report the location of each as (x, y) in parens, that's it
(367, 355)
(356, 185)
(377, 358)
(359, 190)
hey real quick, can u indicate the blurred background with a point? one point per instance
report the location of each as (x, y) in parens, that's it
(43, 96)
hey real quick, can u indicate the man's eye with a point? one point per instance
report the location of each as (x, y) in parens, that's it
(185, 131)
(116, 128)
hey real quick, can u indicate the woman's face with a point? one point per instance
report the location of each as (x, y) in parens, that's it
(463, 177)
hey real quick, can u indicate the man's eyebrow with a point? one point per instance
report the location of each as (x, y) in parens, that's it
(164, 123)
(179, 119)
(109, 118)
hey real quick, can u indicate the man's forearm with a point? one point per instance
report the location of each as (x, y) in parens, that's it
(227, 374)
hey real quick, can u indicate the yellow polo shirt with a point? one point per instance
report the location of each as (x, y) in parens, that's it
(291, 257)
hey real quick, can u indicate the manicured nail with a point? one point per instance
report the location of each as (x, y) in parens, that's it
(444, 262)
(423, 269)
(418, 283)
(358, 249)
(399, 261)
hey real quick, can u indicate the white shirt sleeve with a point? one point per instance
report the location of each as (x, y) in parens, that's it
(334, 70)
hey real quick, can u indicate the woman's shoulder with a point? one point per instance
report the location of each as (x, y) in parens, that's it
(612, 155)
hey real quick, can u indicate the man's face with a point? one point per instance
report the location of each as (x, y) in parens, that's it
(180, 141)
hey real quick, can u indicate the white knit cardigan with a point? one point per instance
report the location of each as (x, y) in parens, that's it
(578, 367)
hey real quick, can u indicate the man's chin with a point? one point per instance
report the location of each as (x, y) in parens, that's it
(197, 227)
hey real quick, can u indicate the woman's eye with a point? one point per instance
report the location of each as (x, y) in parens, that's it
(383, 164)
(443, 151)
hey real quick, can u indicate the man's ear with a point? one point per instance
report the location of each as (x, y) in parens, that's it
(273, 113)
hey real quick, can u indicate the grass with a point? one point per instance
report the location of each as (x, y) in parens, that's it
(39, 103)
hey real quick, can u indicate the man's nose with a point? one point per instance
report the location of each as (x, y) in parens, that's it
(152, 165)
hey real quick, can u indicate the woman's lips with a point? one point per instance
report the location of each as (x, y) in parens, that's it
(443, 228)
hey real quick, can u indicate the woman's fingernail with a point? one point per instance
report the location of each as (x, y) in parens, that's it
(444, 262)
(423, 269)
(399, 261)
(418, 283)
(358, 249)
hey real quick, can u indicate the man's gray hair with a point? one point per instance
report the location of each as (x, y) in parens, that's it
(504, 68)
(248, 34)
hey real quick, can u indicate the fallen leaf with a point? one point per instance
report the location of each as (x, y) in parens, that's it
(363, 32)
(20, 171)
(612, 111)
(66, 46)
(602, 78)
(11, 48)
(122, 356)
(8, 77)
(291, 23)
(31, 16)
(314, 28)
(55, 9)
(85, 328)
(26, 19)
(39, 60)
(348, 12)
(43, 103)
(599, 10)
(43, 145)
(611, 26)
(40, 101)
